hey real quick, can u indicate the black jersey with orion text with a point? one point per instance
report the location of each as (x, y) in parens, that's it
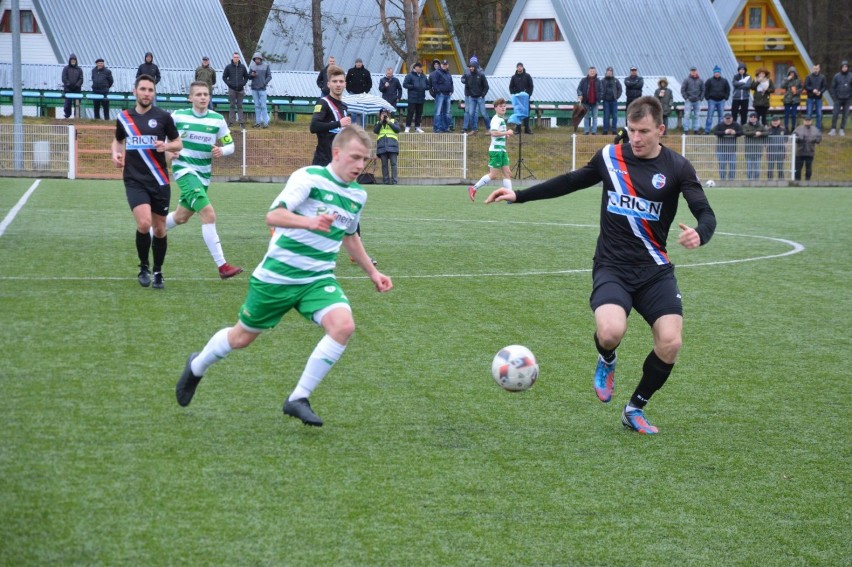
(639, 202)
(142, 162)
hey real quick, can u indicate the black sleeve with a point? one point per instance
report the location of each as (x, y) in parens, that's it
(698, 204)
(563, 184)
(171, 130)
(319, 120)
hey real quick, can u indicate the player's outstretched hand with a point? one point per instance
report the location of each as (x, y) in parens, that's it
(501, 194)
(321, 223)
(688, 237)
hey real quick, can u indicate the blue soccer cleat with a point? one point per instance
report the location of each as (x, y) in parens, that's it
(604, 379)
(634, 419)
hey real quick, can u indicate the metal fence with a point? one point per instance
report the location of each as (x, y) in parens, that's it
(273, 154)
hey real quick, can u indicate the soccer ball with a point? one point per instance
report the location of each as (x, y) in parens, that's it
(514, 368)
(710, 183)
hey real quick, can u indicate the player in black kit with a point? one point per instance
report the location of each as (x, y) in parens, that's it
(330, 116)
(642, 181)
(143, 135)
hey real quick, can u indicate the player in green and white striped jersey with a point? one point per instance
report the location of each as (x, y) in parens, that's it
(200, 129)
(316, 213)
(498, 157)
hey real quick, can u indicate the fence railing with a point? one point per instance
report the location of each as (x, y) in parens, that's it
(273, 154)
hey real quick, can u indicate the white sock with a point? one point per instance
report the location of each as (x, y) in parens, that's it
(170, 221)
(211, 239)
(486, 179)
(327, 352)
(215, 350)
(507, 183)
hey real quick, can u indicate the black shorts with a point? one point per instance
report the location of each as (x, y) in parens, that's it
(651, 290)
(158, 196)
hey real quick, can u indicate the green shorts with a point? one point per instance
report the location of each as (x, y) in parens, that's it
(193, 193)
(498, 160)
(266, 303)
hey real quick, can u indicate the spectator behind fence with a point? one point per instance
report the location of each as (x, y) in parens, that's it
(260, 75)
(358, 81)
(633, 85)
(441, 82)
(755, 140)
(207, 74)
(521, 82)
(776, 148)
(390, 87)
(475, 88)
(692, 91)
(416, 83)
(611, 92)
(72, 82)
(792, 86)
(666, 98)
(717, 91)
(763, 88)
(101, 84)
(815, 86)
(387, 146)
(741, 84)
(235, 76)
(589, 92)
(322, 78)
(727, 131)
(841, 92)
(807, 137)
(150, 69)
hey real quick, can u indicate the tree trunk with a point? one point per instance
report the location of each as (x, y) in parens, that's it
(316, 31)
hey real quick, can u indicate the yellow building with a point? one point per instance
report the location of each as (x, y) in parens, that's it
(761, 35)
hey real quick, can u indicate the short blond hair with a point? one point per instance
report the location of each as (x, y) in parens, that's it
(353, 131)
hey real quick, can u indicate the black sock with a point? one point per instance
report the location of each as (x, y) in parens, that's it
(143, 244)
(655, 372)
(159, 246)
(608, 355)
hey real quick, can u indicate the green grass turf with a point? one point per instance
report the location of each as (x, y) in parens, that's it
(423, 459)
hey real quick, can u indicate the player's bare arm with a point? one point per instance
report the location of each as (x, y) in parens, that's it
(285, 219)
(118, 153)
(355, 248)
(501, 194)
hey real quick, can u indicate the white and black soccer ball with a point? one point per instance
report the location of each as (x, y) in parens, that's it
(515, 368)
(709, 183)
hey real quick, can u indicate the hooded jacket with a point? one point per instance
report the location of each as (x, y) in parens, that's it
(841, 85)
(664, 95)
(72, 76)
(260, 73)
(475, 84)
(742, 85)
(792, 86)
(149, 68)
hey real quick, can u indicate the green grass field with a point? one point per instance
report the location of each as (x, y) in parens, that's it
(423, 459)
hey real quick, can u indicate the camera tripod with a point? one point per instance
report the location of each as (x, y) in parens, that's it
(520, 166)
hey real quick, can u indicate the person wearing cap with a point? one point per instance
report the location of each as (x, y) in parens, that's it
(741, 84)
(776, 148)
(522, 82)
(416, 83)
(727, 131)
(666, 98)
(390, 87)
(588, 93)
(475, 88)
(633, 85)
(763, 88)
(692, 91)
(441, 84)
(358, 81)
(815, 86)
(792, 86)
(101, 84)
(755, 140)
(717, 91)
(841, 92)
(807, 137)
(260, 76)
(206, 73)
(610, 93)
(72, 82)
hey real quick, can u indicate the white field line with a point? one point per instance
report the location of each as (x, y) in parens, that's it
(17, 208)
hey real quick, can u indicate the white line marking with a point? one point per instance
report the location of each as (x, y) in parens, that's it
(17, 208)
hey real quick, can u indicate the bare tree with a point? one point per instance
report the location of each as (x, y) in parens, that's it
(316, 31)
(401, 34)
(290, 22)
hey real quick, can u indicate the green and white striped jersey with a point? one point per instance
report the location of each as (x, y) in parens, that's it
(199, 135)
(298, 256)
(498, 143)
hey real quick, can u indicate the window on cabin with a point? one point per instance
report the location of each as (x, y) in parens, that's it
(28, 22)
(740, 23)
(770, 20)
(539, 30)
(755, 18)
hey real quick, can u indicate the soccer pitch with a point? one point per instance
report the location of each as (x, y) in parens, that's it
(423, 459)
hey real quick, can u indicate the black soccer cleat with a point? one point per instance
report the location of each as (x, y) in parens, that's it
(144, 276)
(185, 388)
(301, 409)
(159, 281)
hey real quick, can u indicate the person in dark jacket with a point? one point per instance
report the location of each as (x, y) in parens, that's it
(610, 93)
(358, 81)
(589, 93)
(475, 88)
(520, 82)
(633, 85)
(727, 131)
(207, 74)
(692, 91)
(776, 148)
(815, 86)
(387, 145)
(755, 139)
(149, 68)
(807, 137)
(666, 98)
(717, 91)
(235, 76)
(792, 86)
(101, 84)
(322, 78)
(416, 83)
(390, 87)
(763, 88)
(741, 84)
(841, 92)
(72, 81)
